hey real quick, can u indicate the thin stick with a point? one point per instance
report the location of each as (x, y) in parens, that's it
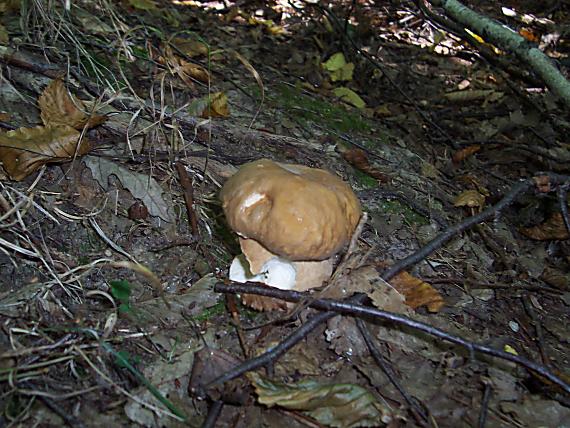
(354, 307)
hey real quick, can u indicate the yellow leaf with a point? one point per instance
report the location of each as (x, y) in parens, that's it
(510, 350)
(59, 108)
(25, 150)
(349, 96)
(335, 62)
(470, 198)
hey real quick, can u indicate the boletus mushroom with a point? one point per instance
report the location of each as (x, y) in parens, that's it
(291, 221)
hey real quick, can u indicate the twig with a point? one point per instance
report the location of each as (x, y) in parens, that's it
(418, 413)
(188, 197)
(275, 352)
(484, 404)
(213, 413)
(446, 235)
(537, 328)
(562, 195)
(354, 307)
(69, 419)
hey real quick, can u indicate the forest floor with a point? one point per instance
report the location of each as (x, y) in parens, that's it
(110, 249)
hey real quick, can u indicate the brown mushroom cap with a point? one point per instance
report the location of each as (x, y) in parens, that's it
(294, 211)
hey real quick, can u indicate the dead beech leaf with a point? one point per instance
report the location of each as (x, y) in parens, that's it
(359, 159)
(553, 228)
(469, 198)
(461, 155)
(24, 150)
(417, 292)
(185, 70)
(218, 106)
(556, 278)
(59, 108)
(190, 47)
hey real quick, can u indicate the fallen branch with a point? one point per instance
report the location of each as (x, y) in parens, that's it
(353, 307)
(508, 40)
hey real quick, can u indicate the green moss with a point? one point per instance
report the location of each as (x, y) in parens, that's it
(364, 179)
(306, 108)
(218, 309)
(393, 206)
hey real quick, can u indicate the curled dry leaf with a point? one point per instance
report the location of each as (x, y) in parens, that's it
(553, 228)
(218, 106)
(190, 47)
(60, 108)
(470, 198)
(25, 150)
(418, 293)
(359, 159)
(461, 155)
(185, 70)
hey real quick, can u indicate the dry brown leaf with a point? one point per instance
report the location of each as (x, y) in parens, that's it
(557, 278)
(553, 228)
(461, 155)
(218, 106)
(23, 151)
(470, 198)
(417, 292)
(190, 47)
(359, 159)
(185, 70)
(59, 108)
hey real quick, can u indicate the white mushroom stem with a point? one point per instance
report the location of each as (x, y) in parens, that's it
(256, 264)
(275, 272)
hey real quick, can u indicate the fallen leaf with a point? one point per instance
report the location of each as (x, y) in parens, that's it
(140, 185)
(553, 228)
(461, 155)
(59, 108)
(473, 95)
(208, 365)
(218, 106)
(349, 96)
(190, 47)
(4, 37)
(335, 405)
(556, 278)
(359, 159)
(469, 198)
(185, 70)
(24, 150)
(338, 68)
(417, 292)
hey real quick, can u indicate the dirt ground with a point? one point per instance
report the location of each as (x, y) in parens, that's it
(110, 248)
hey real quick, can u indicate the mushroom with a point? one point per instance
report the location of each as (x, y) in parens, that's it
(291, 221)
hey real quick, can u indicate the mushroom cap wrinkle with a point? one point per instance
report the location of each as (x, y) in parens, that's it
(294, 211)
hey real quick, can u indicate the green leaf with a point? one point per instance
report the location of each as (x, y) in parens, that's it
(349, 96)
(335, 62)
(338, 68)
(121, 290)
(336, 405)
